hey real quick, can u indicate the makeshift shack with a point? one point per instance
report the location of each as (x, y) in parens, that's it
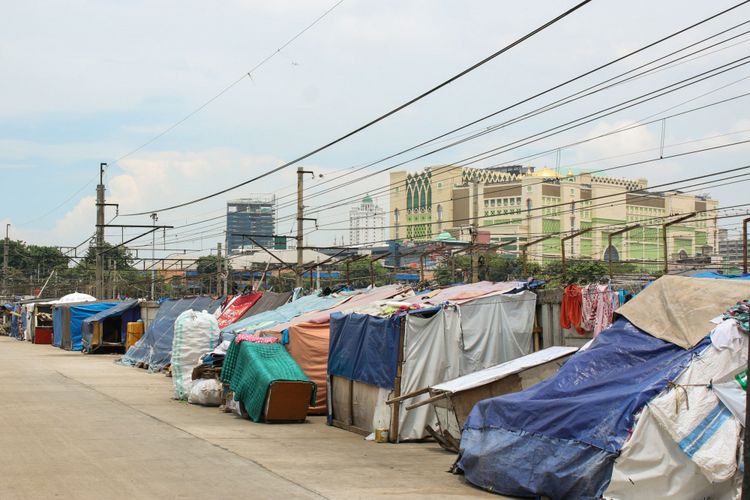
(374, 359)
(40, 321)
(106, 330)
(307, 337)
(454, 399)
(154, 350)
(635, 415)
(67, 320)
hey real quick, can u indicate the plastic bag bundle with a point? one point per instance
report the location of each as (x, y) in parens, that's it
(195, 333)
(206, 392)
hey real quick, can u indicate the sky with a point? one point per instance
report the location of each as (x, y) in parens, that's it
(85, 82)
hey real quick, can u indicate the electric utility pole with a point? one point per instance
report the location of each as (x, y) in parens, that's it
(154, 218)
(5, 257)
(300, 223)
(100, 203)
(475, 233)
(219, 262)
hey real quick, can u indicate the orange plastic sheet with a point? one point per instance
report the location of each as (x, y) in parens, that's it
(308, 345)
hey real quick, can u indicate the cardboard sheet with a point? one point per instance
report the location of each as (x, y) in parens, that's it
(679, 310)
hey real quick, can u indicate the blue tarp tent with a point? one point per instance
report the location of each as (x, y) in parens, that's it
(77, 314)
(57, 327)
(154, 349)
(114, 322)
(560, 437)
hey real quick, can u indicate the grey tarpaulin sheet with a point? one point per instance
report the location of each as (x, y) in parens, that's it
(679, 310)
(267, 302)
(459, 340)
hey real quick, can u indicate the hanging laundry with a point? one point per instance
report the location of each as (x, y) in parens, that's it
(588, 307)
(571, 308)
(606, 303)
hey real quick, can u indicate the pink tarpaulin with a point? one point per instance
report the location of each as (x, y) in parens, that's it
(237, 308)
(463, 293)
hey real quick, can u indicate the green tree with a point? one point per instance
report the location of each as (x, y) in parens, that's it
(114, 257)
(359, 273)
(577, 271)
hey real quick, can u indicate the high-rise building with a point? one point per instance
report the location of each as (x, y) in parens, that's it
(518, 205)
(730, 248)
(366, 223)
(253, 217)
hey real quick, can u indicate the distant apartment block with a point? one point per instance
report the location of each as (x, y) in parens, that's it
(248, 219)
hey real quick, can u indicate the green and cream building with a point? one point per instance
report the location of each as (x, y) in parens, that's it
(516, 205)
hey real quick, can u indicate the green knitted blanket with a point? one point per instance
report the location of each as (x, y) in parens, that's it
(250, 368)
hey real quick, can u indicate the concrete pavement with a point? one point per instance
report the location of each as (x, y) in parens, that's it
(79, 426)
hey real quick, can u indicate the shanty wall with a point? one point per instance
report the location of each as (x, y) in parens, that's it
(548, 318)
(148, 311)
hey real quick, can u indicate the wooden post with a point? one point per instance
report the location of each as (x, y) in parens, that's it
(665, 239)
(744, 244)
(527, 245)
(563, 240)
(396, 410)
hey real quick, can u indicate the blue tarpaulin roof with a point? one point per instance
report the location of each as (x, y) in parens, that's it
(711, 274)
(560, 437)
(406, 277)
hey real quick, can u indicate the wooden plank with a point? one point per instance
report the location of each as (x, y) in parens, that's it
(350, 428)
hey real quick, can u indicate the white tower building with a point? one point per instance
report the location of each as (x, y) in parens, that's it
(366, 223)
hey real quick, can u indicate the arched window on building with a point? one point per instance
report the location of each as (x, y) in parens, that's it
(611, 253)
(528, 206)
(440, 218)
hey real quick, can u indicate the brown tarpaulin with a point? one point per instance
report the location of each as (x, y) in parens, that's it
(308, 345)
(679, 309)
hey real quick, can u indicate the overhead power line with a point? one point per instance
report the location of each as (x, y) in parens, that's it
(560, 102)
(226, 89)
(379, 118)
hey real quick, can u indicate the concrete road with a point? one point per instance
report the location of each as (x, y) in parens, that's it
(80, 426)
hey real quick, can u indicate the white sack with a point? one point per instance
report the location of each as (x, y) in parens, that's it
(206, 392)
(696, 419)
(651, 465)
(195, 333)
(731, 394)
